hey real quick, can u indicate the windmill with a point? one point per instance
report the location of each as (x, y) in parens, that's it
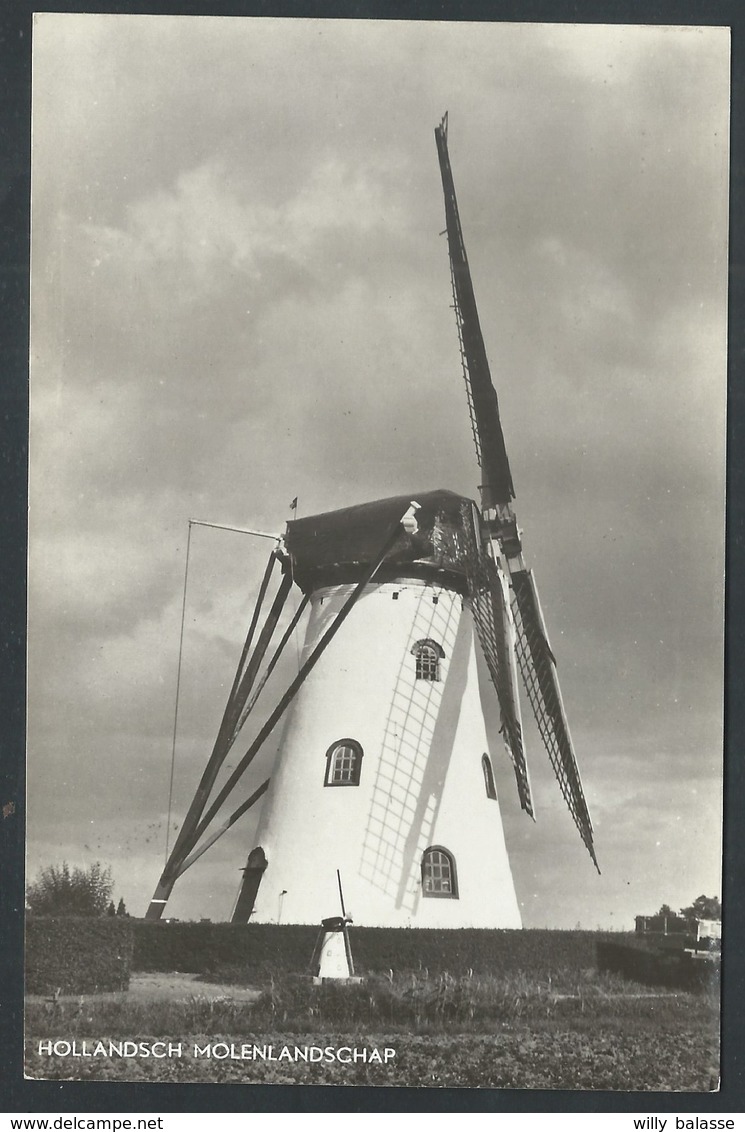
(384, 762)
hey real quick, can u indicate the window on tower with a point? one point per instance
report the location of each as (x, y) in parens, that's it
(491, 790)
(438, 873)
(428, 655)
(343, 763)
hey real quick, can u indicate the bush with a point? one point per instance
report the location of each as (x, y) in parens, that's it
(61, 891)
(77, 956)
(656, 967)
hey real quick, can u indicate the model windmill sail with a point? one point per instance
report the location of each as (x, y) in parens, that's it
(536, 660)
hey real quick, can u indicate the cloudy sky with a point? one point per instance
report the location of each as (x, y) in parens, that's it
(240, 294)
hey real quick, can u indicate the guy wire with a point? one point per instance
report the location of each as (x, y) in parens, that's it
(178, 689)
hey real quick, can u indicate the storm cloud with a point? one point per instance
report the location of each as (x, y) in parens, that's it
(241, 294)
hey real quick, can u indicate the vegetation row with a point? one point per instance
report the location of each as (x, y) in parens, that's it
(246, 952)
(78, 956)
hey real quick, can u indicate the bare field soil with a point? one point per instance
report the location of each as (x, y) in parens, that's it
(157, 986)
(468, 1032)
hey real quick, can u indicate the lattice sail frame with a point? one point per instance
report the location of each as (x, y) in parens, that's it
(538, 670)
(494, 629)
(500, 541)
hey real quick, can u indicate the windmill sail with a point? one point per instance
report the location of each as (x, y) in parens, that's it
(482, 397)
(538, 669)
(491, 617)
(536, 661)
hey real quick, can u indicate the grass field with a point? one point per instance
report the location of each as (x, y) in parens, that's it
(570, 1032)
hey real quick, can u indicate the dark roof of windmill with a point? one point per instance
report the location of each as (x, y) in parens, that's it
(330, 546)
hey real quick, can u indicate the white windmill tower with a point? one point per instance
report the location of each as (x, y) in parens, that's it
(384, 765)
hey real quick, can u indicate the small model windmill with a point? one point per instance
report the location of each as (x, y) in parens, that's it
(385, 762)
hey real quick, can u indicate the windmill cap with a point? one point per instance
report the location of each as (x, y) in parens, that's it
(337, 546)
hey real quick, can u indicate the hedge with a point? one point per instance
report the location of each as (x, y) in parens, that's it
(529, 951)
(204, 948)
(652, 967)
(78, 956)
(287, 948)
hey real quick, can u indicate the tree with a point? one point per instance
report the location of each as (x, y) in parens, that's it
(121, 908)
(703, 908)
(61, 891)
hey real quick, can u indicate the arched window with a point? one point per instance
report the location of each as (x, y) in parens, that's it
(343, 763)
(428, 656)
(491, 790)
(438, 873)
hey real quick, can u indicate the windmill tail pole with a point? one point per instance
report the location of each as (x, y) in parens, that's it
(307, 666)
(170, 874)
(228, 824)
(185, 840)
(165, 887)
